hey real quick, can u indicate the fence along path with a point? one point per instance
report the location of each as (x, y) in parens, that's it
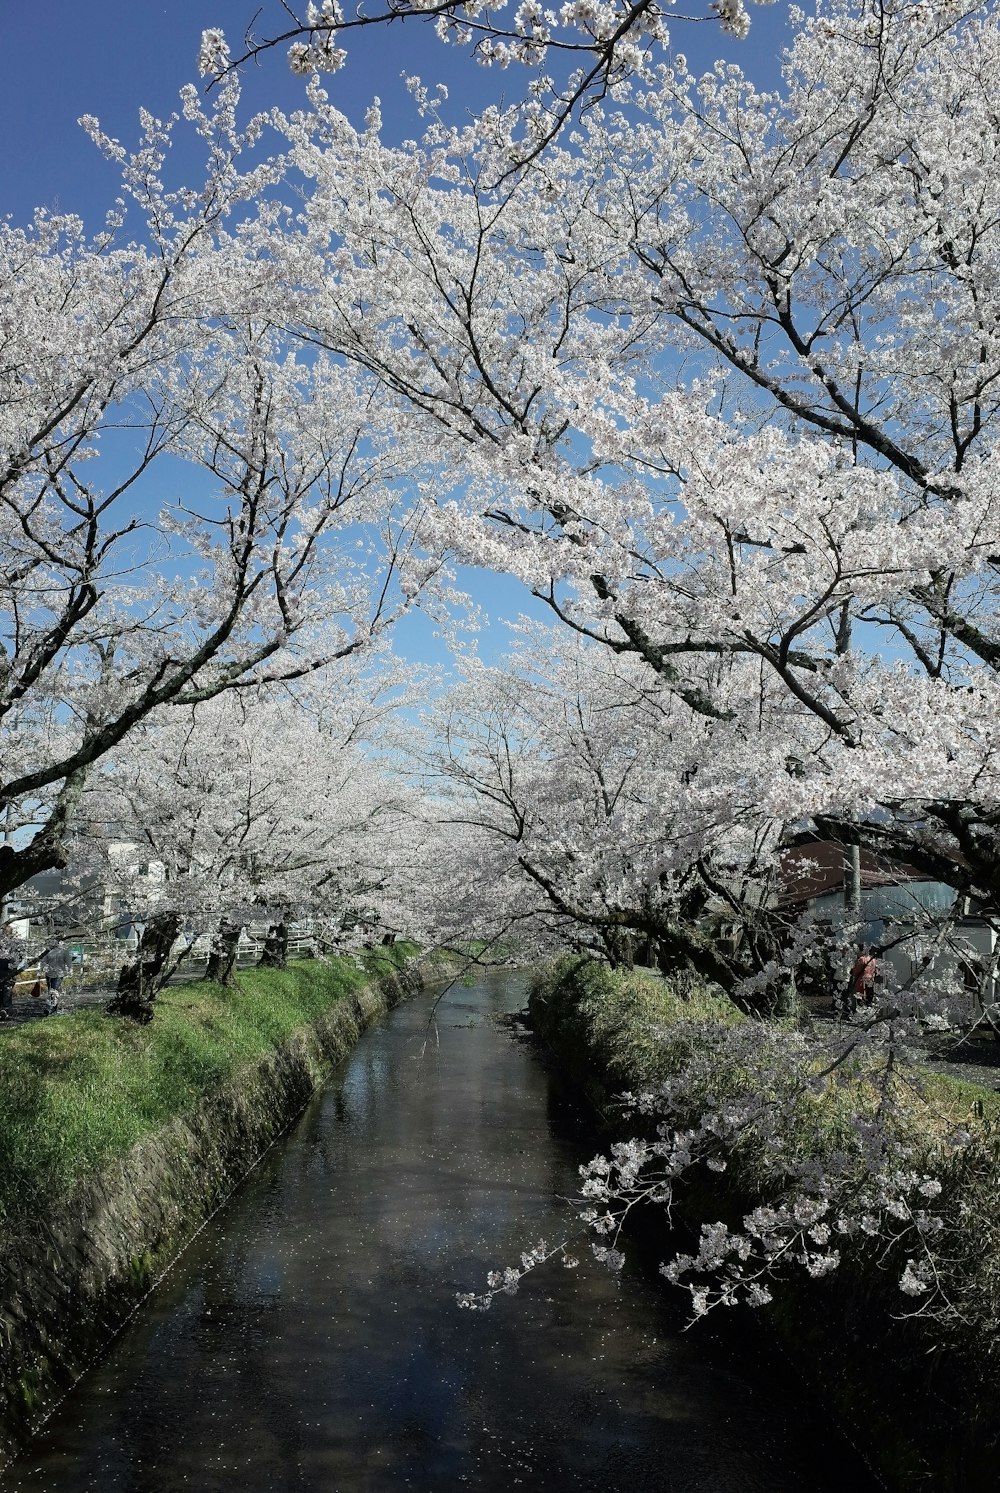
(93, 983)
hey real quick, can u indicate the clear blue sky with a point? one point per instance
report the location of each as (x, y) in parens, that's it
(111, 57)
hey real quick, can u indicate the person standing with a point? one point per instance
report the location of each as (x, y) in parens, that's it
(11, 959)
(863, 977)
(57, 962)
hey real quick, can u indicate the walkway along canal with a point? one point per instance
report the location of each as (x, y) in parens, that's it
(309, 1341)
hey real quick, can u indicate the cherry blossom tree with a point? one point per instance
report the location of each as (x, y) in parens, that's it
(186, 506)
(715, 379)
(608, 810)
(601, 44)
(250, 807)
(714, 376)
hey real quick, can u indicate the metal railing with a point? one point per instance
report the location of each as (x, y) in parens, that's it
(99, 959)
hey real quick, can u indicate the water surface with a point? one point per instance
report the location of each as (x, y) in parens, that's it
(309, 1341)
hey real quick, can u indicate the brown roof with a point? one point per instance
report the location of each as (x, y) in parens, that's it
(817, 868)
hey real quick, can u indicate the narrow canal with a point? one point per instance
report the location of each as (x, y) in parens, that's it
(309, 1341)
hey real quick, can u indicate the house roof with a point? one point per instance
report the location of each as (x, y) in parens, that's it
(818, 867)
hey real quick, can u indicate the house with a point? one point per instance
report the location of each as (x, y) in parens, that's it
(923, 934)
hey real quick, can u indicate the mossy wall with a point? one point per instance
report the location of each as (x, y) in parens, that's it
(71, 1277)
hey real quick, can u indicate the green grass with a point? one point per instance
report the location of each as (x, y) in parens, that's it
(638, 1028)
(78, 1091)
(641, 1029)
(631, 1031)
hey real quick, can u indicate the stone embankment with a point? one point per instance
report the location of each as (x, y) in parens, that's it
(70, 1280)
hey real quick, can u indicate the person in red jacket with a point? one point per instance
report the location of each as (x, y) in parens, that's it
(863, 977)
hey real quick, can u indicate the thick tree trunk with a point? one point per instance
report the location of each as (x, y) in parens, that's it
(275, 955)
(620, 945)
(222, 955)
(47, 851)
(139, 983)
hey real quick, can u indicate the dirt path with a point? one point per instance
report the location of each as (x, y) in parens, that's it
(974, 1057)
(26, 1009)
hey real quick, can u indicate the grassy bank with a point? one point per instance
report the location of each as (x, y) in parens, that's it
(920, 1391)
(79, 1091)
(630, 1030)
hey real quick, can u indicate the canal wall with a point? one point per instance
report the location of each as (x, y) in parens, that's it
(73, 1276)
(923, 1409)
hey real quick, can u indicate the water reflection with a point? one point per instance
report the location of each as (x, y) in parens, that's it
(310, 1340)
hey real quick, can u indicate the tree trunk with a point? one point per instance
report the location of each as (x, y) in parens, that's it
(47, 851)
(787, 1003)
(139, 983)
(620, 946)
(275, 955)
(222, 954)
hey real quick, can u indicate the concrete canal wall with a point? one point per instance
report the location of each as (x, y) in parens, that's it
(71, 1276)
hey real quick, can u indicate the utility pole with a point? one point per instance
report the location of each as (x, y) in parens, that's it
(852, 882)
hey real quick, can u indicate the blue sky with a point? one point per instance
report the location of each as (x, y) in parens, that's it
(111, 57)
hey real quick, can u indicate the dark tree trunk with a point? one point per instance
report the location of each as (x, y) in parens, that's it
(668, 960)
(275, 955)
(139, 983)
(222, 955)
(47, 851)
(620, 946)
